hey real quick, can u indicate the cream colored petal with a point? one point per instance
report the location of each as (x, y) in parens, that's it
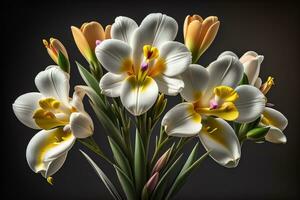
(114, 55)
(251, 66)
(24, 107)
(92, 32)
(139, 97)
(209, 36)
(54, 82)
(218, 137)
(195, 82)
(169, 85)
(176, 56)
(187, 22)
(182, 121)
(111, 84)
(275, 118)
(123, 29)
(250, 104)
(275, 135)
(258, 83)
(81, 125)
(47, 150)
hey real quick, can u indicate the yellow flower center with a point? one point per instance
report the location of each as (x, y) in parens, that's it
(221, 105)
(51, 114)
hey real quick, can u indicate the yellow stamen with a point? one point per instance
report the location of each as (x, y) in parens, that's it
(267, 85)
(50, 180)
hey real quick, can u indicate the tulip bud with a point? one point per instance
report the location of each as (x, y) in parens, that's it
(199, 34)
(251, 62)
(54, 46)
(162, 161)
(151, 183)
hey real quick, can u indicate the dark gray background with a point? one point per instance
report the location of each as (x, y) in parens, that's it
(266, 171)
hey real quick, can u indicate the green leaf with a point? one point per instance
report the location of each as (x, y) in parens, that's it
(160, 187)
(63, 62)
(182, 177)
(108, 184)
(191, 158)
(120, 158)
(139, 163)
(89, 78)
(126, 183)
(244, 80)
(257, 133)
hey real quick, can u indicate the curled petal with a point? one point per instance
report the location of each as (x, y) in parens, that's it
(250, 104)
(81, 125)
(111, 84)
(251, 62)
(114, 55)
(220, 140)
(275, 135)
(274, 118)
(25, 106)
(139, 96)
(182, 121)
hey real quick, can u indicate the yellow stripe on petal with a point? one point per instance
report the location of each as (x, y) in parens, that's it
(227, 111)
(225, 94)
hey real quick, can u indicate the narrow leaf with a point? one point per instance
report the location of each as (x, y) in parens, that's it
(63, 62)
(126, 184)
(109, 185)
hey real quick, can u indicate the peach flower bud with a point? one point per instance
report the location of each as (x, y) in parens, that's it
(162, 161)
(54, 46)
(151, 183)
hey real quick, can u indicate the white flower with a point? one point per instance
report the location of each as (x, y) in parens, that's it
(142, 61)
(214, 92)
(61, 119)
(270, 117)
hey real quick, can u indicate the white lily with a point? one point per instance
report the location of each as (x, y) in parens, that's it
(141, 61)
(62, 120)
(214, 92)
(270, 117)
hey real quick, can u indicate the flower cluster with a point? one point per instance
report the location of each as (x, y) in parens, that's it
(222, 105)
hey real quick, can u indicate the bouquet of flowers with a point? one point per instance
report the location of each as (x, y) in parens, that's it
(132, 68)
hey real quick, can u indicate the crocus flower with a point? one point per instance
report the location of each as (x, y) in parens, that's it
(213, 96)
(199, 34)
(141, 61)
(59, 118)
(270, 117)
(88, 36)
(54, 46)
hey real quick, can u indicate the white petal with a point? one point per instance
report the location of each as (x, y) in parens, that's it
(227, 71)
(169, 85)
(123, 29)
(251, 62)
(113, 55)
(228, 53)
(138, 97)
(81, 125)
(154, 30)
(43, 149)
(54, 82)
(182, 121)
(77, 99)
(250, 104)
(222, 141)
(276, 118)
(111, 84)
(275, 135)
(24, 107)
(177, 58)
(195, 82)
(258, 83)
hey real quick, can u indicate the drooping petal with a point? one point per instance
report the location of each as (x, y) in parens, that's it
(139, 96)
(47, 150)
(226, 70)
(54, 82)
(274, 118)
(123, 29)
(114, 55)
(275, 135)
(24, 107)
(218, 137)
(111, 84)
(195, 82)
(251, 62)
(169, 85)
(182, 121)
(250, 104)
(176, 56)
(154, 30)
(81, 125)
